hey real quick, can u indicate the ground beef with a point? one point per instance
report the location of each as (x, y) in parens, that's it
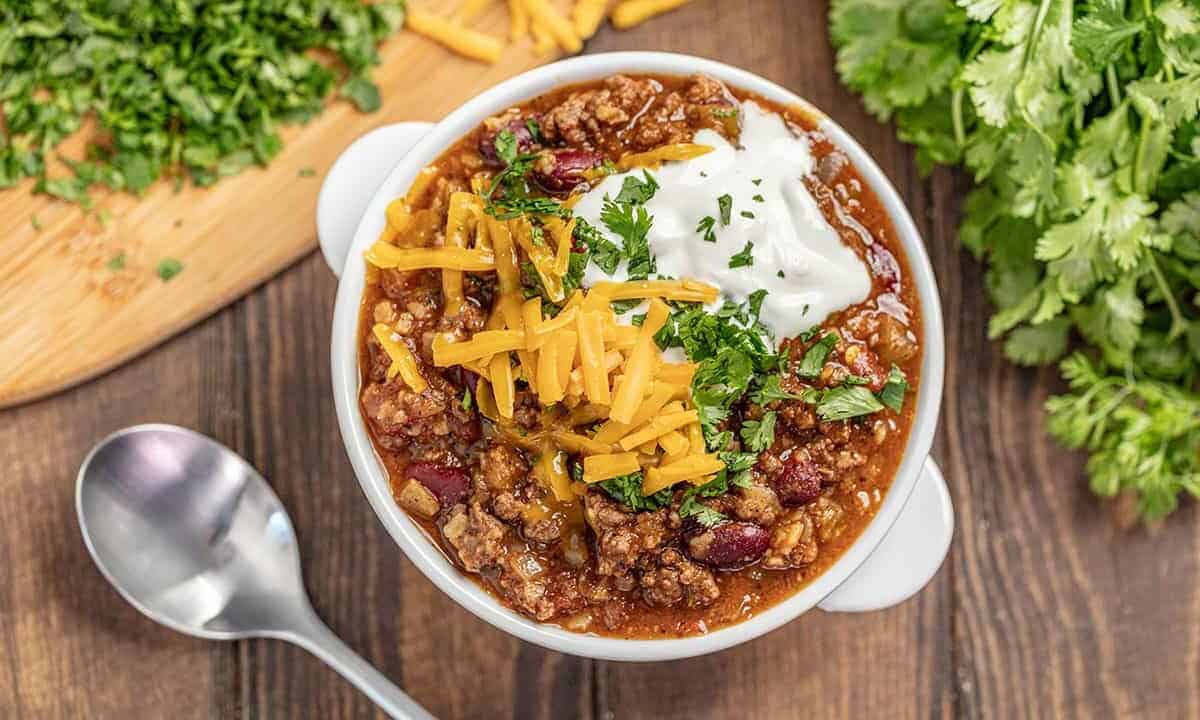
(580, 120)
(479, 539)
(502, 467)
(432, 419)
(626, 541)
(674, 579)
(645, 116)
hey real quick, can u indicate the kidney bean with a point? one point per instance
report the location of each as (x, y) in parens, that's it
(520, 130)
(560, 171)
(450, 484)
(799, 481)
(730, 546)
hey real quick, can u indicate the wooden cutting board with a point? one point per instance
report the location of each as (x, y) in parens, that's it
(66, 316)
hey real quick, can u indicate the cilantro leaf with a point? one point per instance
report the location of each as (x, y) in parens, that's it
(604, 253)
(632, 224)
(637, 192)
(627, 490)
(725, 205)
(894, 389)
(167, 268)
(759, 434)
(744, 257)
(814, 358)
(843, 402)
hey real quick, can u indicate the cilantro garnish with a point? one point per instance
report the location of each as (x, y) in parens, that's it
(759, 434)
(894, 389)
(535, 130)
(467, 400)
(779, 274)
(605, 253)
(754, 303)
(706, 227)
(843, 402)
(758, 198)
(757, 181)
(167, 268)
(116, 262)
(860, 380)
(744, 258)
(771, 390)
(814, 357)
(506, 146)
(725, 112)
(637, 192)
(725, 205)
(627, 490)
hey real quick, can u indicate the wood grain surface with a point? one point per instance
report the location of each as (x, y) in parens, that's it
(1043, 609)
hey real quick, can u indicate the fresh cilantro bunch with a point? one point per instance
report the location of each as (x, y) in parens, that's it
(1078, 122)
(196, 89)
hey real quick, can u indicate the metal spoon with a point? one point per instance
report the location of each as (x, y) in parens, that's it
(195, 539)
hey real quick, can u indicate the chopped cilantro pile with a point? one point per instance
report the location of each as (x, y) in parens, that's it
(1078, 121)
(185, 89)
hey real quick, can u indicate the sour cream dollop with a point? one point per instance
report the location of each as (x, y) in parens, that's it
(799, 259)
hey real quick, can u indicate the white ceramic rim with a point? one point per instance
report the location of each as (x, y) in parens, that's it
(413, 540)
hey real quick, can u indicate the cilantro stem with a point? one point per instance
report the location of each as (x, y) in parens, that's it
(1178, 321)
(1114, 91)
(956, 113)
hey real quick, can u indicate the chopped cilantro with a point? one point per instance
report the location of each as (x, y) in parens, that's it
(843, 402)
(305, 172)
(754, 303)
(604, 252)
(506, 146)
(168, 268)
(637, 192)
(725, 204)
(759, 434)
(535, 129)
(627, 490)
(814, 357)
(771, 390)
(116, 262)
(758, 198)
(467, 400)
(857, 380)
(632, 224)
(725, 113)
(196, 91)
(757, 181)
(701, 513)
(894, 389)
(745, 258)
(779, 274)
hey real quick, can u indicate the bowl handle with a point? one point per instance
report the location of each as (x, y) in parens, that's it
(910, 554)
(352, 182)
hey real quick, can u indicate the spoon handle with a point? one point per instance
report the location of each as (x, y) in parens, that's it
(316, 637)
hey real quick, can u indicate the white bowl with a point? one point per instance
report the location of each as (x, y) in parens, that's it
(896, 554)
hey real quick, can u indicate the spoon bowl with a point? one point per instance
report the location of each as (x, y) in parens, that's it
(194, 538)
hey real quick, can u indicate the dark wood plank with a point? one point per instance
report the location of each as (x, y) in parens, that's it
(1045, 607)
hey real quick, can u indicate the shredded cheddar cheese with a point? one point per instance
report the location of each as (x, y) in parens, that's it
(404, 363)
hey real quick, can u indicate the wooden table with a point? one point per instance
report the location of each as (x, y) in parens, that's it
(1044, 607)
